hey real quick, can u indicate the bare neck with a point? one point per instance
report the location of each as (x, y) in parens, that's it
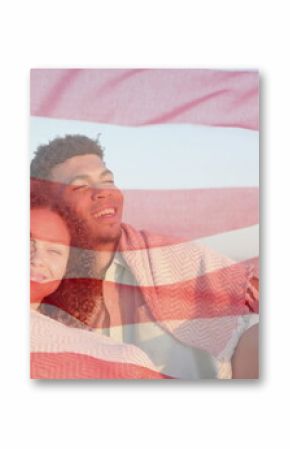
(104, 257)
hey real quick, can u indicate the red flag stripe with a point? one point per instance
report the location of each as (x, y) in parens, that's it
(63, 365)
(185, 214)
(217, 294)
(192, 214)
(142, 97)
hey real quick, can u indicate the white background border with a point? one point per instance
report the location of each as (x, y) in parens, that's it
(223, 34)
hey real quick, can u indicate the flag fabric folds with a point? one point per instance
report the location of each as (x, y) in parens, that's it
(167, 258)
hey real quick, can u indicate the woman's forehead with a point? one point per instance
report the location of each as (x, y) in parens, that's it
(48, 226)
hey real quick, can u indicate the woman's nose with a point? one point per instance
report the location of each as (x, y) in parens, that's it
(36, 256)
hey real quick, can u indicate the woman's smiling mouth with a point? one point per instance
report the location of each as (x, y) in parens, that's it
(38, 277)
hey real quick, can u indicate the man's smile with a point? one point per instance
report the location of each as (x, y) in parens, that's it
(105, 213)
(108, 212)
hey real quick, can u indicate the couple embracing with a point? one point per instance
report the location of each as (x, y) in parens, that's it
(165, 307)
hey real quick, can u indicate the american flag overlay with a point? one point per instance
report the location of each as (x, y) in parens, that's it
(171, 288)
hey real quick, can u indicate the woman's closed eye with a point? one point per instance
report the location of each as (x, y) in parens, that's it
(55, 251)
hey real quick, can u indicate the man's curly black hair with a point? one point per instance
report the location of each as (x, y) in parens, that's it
(59, 150)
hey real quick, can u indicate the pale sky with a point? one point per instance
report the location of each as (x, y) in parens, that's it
(166, 156)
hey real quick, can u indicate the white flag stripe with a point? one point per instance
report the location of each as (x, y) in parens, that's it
(151, 338)
(194, 156)
(238, 245)
(234, 246)
(65, 339)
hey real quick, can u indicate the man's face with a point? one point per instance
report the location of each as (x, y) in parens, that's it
(90, 190)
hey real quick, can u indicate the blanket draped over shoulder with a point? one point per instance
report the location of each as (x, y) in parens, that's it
(202, 298)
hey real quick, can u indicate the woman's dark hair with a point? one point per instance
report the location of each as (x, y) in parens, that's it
(76, 298)
(43, 197)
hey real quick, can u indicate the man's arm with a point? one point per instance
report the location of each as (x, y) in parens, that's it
(245, 361)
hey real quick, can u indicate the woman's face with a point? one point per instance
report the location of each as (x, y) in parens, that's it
(49, 252)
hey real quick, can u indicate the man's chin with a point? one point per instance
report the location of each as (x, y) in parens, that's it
(107, 236)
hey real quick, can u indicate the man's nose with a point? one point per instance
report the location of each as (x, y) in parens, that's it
(99, 193)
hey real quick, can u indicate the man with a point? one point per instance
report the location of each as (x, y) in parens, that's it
(189, 309)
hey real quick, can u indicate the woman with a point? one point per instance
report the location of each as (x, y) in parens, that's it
(57, 351)
(62, 279)
(49, 246)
